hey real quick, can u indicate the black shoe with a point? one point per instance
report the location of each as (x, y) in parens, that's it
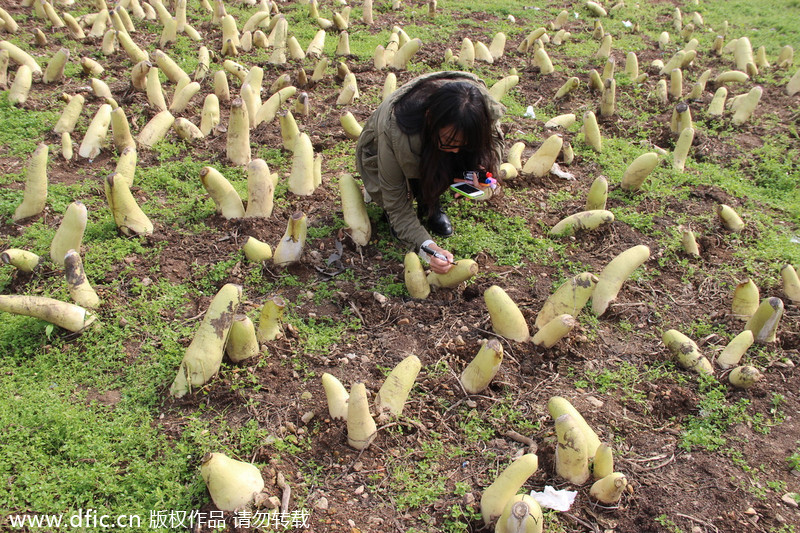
(439, 223)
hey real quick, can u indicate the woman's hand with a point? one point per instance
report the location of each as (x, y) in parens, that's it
(440, 266)
(488, 188)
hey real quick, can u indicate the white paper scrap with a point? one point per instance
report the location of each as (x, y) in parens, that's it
(563, 174)
(560, 500)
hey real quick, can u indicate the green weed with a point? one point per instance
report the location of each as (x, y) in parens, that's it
(666, 521)
(80, 414)
(708, 429)
(22, 129)
(320, 332)
(475, 427)
(794, 459)
(391, 287)
(508, 240)
(626, 380)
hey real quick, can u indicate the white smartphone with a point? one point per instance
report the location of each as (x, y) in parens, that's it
(468, 190)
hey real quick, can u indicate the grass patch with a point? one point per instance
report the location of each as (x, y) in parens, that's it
(709, 429)
(22, 129)
(508, 240)
(80, 415)
(626, 380)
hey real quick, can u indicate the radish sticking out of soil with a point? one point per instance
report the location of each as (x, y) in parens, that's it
(232, 484)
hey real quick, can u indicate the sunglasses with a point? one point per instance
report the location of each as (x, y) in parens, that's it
(448, 145)
(451, 146)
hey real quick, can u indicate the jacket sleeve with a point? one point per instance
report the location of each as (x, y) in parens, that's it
(498, 144)
(496, 111)
(397, 164)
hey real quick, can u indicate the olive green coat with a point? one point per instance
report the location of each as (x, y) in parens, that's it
(386, 158)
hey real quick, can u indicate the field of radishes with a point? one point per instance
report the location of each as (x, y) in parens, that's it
(188, 268)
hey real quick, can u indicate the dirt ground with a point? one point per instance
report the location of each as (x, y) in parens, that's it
(698, 491)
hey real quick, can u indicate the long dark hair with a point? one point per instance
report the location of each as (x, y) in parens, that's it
(434, 105)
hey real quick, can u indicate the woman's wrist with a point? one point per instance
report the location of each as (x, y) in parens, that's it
(422, 253)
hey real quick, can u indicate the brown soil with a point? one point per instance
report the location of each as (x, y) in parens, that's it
(699, 491)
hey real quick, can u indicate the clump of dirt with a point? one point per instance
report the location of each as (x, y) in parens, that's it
(359, 491)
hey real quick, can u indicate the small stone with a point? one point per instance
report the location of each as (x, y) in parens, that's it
(472, 404)
(459, 340)
(791, 498)
(146, 282)
(351, 523)
(260, 500)
(750, 511)
(306, 418)
(464, 329)
(468, 499)
(594, 401)
(306, 396)
(403, 322)
(359, 490)
(358, 466)
(380, 298)
(273, 502)
(321, 504)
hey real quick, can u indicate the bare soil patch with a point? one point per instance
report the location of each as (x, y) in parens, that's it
(698, 489)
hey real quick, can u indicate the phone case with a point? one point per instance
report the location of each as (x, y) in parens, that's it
(474, 195)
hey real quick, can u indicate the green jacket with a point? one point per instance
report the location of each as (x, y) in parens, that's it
(386, 158)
